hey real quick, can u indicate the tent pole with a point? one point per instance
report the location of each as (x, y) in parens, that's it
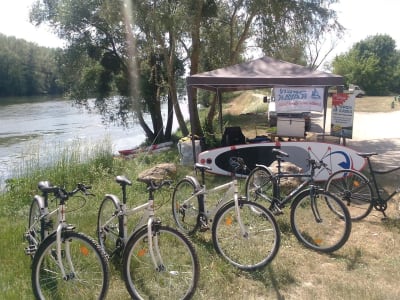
(219, 96)
(325, 108)
(190, 91)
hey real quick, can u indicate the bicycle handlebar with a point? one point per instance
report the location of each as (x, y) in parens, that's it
(61, 193)
(152, 185)
(317, 164)
(237, 163)
(314, 163)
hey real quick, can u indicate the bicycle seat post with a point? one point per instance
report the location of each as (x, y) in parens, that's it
(124, 197)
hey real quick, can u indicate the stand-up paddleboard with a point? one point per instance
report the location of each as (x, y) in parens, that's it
(336, 157)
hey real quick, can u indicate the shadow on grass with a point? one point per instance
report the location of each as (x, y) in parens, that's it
(274, 279)
(353, 259)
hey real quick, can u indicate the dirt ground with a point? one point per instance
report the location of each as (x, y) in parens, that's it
(373, 132)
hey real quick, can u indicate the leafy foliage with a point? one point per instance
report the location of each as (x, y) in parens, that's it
(373, 64)
(139, 49)
(27, 69)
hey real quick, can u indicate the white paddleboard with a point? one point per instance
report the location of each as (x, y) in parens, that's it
(336, 157)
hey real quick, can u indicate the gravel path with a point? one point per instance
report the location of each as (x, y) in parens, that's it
(376, 132)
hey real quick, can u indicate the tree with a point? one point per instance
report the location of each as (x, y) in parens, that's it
(27, 69)
(108, 50)
(282, 29)
(111, 41)
(371, 63)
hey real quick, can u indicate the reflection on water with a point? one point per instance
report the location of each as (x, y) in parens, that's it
(34, 124)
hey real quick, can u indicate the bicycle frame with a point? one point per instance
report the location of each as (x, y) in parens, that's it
(148, 214)
(231, 187)
(279, 202)
(375, 183)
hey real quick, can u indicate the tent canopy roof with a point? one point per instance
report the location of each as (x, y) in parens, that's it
(261, 73)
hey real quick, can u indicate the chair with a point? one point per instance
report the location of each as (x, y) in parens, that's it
(233, 136)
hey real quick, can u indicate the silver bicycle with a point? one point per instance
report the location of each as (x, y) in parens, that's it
(66, 264)
(244, 233)
(159, 262)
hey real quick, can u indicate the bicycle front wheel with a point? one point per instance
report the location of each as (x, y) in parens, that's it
(252, 248)
(354, 189)
(320, 221)
(177, 271)
(185, 207)
(85, 265)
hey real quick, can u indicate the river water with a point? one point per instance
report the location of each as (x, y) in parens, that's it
(35, 124)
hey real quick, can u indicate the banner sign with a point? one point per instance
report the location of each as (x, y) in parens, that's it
(304, 99)
(342, 115)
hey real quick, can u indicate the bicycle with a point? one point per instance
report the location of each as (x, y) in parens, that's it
(159, 262)
(360, 193)
(318, 219)
(245, 239)
(66, 264)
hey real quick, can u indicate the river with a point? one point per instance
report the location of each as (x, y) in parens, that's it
(35, 124)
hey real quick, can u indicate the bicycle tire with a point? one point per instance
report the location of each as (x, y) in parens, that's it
(260, 186)
(186, 216)
(89, 278)
(327, 234)
(108, 235)
(261, 242)
(178, 274)
(36, 231)
(354, 189)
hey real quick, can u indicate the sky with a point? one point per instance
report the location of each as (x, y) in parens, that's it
(361, 18)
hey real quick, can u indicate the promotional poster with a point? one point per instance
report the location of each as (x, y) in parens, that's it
(342, 115)
(289, 99)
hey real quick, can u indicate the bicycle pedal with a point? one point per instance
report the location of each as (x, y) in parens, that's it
(30, 250)
(204, 228)
(276, 211)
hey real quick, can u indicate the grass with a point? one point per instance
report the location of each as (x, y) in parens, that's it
(367, 267)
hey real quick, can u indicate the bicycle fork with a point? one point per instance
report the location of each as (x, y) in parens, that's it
(243, 229)
(314, 206)
(67, 252)
(154, 249)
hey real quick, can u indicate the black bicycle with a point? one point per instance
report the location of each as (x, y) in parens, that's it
(360, 193)
(318, 218)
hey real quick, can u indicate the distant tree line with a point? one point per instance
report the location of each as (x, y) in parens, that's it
(27, 69)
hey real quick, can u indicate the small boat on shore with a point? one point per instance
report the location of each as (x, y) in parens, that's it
(152, 148)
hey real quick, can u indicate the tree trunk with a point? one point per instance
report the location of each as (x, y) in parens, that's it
(194, 69)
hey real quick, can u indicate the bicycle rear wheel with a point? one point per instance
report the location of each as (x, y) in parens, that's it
(86, 267)
(320, 221)
(260, 186)
(354, 189)
(185, 212)
(108, 226)
(177, 272)
(250, 250)
(35, 233)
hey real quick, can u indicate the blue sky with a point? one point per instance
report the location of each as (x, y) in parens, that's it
(362, 18)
